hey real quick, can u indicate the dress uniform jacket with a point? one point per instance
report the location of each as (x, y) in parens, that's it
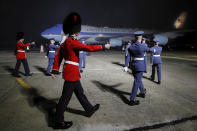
(52, 49)
(20, 50)
(127, 56)
(137, 51)
(69, 51)
(155, 55)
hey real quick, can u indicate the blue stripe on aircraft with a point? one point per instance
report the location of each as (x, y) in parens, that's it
(100, 33)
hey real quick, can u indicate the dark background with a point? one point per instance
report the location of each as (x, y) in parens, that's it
(34, 16)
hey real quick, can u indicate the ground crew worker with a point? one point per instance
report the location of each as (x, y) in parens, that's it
(156, 60)
(69, 51)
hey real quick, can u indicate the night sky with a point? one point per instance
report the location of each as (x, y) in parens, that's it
(33, 16)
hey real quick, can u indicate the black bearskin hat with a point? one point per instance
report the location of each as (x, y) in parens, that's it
(72, 23)
(19, 35)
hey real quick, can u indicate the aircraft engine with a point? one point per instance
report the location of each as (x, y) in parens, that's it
(115, 42)
(163, 39)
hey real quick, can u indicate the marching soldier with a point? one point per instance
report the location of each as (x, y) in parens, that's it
(51, 55)
(137, 51)
(21, 55)
(82, 59)
(145, 54)
(69, 51)
(127, 56)
(156, 60)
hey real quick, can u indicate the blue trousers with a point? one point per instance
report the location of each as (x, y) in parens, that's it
(82, 60)
(137, 84)
(51, 61)
(127, 60)
(158, 66)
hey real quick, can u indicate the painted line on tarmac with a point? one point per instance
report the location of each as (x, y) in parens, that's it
(179, 58)
(20, 81)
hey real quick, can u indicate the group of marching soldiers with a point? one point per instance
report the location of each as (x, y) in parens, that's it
(70, 50)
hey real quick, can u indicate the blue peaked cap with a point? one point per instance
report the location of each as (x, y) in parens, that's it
(138, 33)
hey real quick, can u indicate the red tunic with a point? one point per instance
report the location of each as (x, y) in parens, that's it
(69, 50)
(20, 50)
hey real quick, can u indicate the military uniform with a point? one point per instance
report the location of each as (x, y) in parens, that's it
(156, 61)
(21, 56)
(127, 57)
(137, 51)
(82, 60)
(69, 51)
(51, 56)
(145, 55)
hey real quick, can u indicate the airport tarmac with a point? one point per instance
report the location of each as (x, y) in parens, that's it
(28, 102)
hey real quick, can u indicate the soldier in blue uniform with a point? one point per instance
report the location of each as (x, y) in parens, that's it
(156, 60)
(127, 56)
(82, 59)
(51, 55)
(145, 54)
(137, 51)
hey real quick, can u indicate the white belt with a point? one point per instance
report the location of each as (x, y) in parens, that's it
(52, 51)
(81, 52)
(156, 55)
(71, 62)
(135, 58)
(20, 50)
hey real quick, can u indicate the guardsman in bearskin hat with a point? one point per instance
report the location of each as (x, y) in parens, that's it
(69, 51)
(156, 60)
(20, 55)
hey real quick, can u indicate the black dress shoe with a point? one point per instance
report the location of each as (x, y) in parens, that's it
(30, 74)
(83, 67)
(93, 110)
(48, 74)
(63, 125)
(159, 82)
(16, 75)
(81, 71)
(142, 95)
(135, 102)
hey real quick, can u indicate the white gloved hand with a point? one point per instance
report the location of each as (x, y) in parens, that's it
(125, 69)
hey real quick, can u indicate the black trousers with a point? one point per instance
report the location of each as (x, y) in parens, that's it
(68, 89)
(25, 65)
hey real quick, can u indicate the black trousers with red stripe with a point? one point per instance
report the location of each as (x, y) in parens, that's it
(68, 89)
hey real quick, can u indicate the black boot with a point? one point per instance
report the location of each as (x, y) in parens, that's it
(29, 74)
(142, 95)
(135, 102)
(63, 125)
(93, 110)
